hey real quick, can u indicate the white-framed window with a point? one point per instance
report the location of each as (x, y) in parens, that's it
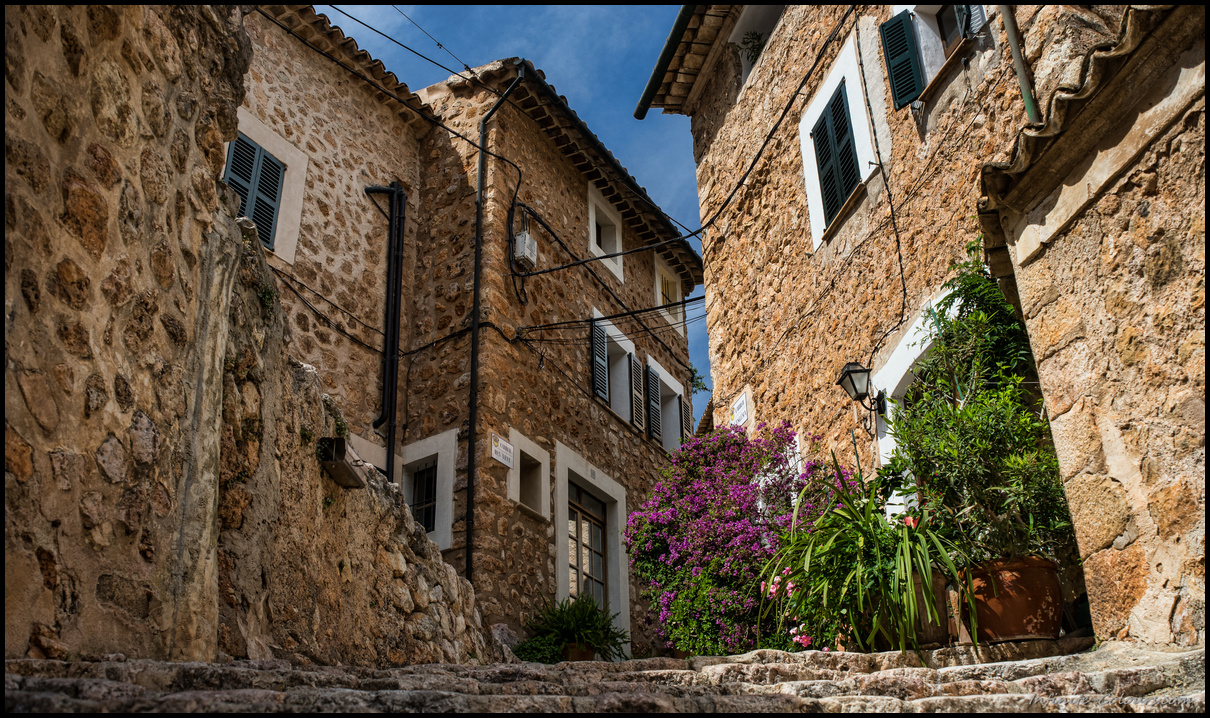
(669, 415)
(427, 478)
(668, 290)
(836, 142)
(529, 477)
(919, 39)
(604, 230)
(282, 237)
(613, 366)
(752, 31)
(593, 491)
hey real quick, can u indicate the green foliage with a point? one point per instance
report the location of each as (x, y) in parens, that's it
(266, 293)
(342, 427)
(540, 649)
(970, 438)
(579, 621)
(306, 435)
(697, 381)
(851, 576)
(328, 501)
(753, 45)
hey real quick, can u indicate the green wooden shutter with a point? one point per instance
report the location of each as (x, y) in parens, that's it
(600, 362)
(257, 177)
(686, 420)
(900, 48)
(653, 405)
(637, 410)
(835, 154)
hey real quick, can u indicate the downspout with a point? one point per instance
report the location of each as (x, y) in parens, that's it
(471, 452)
(1014, 45)
(394, 299)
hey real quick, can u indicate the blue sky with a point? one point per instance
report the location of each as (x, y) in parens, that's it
(598, 57)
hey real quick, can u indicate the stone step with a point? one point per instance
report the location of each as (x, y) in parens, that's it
(1113, 678)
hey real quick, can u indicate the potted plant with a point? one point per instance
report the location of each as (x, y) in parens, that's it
(572, 630)
(974, 446)
(854, 577)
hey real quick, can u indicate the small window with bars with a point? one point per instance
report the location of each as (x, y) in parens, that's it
(257, 177)
(424, 495)
(585, 543)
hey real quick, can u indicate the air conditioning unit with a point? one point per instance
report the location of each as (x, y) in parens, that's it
(525, 251)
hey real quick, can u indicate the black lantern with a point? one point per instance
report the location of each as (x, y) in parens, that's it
(855, 380)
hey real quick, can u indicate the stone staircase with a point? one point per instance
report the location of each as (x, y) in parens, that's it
(1116, 677)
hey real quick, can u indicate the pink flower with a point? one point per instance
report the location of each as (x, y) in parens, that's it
(910, 521)
(825, 649)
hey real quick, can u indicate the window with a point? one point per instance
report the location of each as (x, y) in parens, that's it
(837, 143)
(424, 494)
(604, 230)
(752, 32)
(919, 40)
(257, 178)
(282, 239)
(597, 499)
(529, 477)
(669, 416)
(585, 543)
(614, 366)
(835, 154)
(668, 291)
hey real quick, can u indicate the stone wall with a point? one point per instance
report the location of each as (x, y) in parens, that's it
(1115, 307)
(162, 495)
(540, 389)
(785, 316)
(353, 140)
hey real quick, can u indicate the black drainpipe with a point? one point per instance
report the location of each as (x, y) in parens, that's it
(394, 298)
(474, 399)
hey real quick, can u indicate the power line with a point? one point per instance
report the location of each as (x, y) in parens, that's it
(439, 45)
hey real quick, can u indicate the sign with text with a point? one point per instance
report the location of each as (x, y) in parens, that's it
(739, 410)
(502, 451)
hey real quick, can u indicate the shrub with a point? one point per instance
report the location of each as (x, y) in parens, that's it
(710, 524)
(572, 621)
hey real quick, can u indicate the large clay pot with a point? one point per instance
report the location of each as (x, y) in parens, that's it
(1016, 600)
(578, 652)
(928, 633)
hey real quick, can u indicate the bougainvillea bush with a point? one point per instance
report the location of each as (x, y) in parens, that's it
(709, 527)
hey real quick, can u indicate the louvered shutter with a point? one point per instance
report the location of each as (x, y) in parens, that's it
(962, 14)
(902, 55)
(257, 177)
(637, 410)
(835, 154)
(686, 420)
(653, 405)
(825, 158)
(978, 18)
(600, 362)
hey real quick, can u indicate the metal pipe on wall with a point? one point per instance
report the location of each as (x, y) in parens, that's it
(394, 301)
(1014, 45)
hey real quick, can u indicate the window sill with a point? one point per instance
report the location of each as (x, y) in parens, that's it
(942, 77)
(532, 512)
(846, 209)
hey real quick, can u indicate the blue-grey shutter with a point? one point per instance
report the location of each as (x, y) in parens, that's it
(600, 363)
(978, 18)
(637, 410)
(653, 405)
(835, 154)
(257, 177)
(900, 48)
(686, 420)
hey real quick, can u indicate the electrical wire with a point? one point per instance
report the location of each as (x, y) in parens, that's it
(439, 45)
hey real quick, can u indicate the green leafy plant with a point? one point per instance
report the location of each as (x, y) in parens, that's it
(306, 435)
(328, 501)
(540, 649)
(266, 293)
(578, 621)
(752, 45)
(972, 440)
(342, 427)
(851, 576)
(697, 381)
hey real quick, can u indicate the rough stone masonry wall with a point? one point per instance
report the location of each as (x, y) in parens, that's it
(1116, 312)
(514, 547)
(785, 317)
(162, 498)
(352, 140)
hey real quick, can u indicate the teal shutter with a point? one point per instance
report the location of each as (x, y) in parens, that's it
(653, 405)
(600, 363)
(257, 177)
(637, 410)
(835, 154)
(902, 55)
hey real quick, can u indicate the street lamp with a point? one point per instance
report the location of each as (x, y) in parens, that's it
(855, 380)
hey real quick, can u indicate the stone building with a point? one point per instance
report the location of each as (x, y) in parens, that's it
(845, 158)
(579, 388)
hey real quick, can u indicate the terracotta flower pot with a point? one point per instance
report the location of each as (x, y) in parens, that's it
(1016, 600)
(578, 652)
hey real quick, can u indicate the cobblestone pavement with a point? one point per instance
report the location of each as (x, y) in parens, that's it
(1112, 678)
